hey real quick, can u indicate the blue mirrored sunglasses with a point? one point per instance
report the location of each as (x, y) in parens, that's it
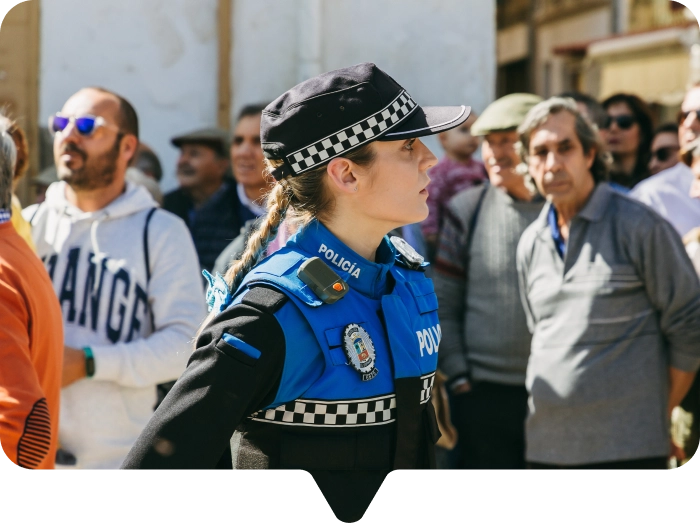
(85, 125)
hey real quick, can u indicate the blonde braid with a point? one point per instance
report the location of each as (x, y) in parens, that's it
(277, 205)
(304, 198)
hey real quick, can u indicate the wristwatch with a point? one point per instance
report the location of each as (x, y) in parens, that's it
(89, 362)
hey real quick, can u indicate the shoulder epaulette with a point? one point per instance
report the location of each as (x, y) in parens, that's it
(266, 299)
(280, 271)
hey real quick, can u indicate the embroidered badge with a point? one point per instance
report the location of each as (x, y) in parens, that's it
(409, 253)
(360, 351)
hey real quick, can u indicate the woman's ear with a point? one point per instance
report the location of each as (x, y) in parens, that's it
(341, 175)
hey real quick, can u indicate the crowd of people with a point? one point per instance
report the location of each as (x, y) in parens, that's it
(565, 264)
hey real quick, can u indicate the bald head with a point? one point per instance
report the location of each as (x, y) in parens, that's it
(96, 161)
(119, 108)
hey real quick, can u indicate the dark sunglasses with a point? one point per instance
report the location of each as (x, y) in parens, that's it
(664, 153)
(623, 121)
(85, 125)
(684, 114)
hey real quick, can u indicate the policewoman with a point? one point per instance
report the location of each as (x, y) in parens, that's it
(321, 356)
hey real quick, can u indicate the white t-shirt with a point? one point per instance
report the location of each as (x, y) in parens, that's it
(668, 193)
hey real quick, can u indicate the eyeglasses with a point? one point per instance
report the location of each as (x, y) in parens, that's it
(623, 121)
(664, 153)
(684, 114)
(85, 125)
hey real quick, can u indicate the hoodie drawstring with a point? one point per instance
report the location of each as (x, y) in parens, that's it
(97, 255)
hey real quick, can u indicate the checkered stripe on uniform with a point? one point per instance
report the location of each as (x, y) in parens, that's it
(352, 136)
(374, 411)
(425, 394)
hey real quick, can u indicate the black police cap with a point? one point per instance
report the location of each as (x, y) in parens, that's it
(333, 113)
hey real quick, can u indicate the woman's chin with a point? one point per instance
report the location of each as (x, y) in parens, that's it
(420, 215)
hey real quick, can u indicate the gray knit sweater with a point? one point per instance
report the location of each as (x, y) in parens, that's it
(485, 333)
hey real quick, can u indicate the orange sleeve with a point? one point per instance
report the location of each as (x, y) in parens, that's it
(25, 424)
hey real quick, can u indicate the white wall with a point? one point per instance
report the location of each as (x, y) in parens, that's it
(159, 54)
(162, 54)
(442, 51)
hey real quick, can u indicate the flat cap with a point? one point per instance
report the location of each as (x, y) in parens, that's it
(505, 113)
(219, 139)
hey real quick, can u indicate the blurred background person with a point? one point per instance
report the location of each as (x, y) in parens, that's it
(486, 344)
(627, 132)
(457, 170)
(126, 276)
(145, 170)
(137, 177)
(613, 304)
(41, 182)
(247, 161)
(588, 107)
(689, 117)
(248, 166)
(147, 161)
(21, 164)
(685, 420)
(207, 199)
(664, 148)
(668, 192)
(31, 338)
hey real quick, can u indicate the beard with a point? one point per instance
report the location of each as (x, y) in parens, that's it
(94, 173)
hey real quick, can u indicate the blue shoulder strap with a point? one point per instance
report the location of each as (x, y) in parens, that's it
(280, 271)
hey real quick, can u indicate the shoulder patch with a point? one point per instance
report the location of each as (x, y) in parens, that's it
(264, 298)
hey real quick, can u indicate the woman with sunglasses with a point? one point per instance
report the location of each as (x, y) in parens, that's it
(665, 148)
(321, 356)
(628, 131)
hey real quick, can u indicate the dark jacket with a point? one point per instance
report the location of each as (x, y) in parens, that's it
(214, 224)
(277, 379)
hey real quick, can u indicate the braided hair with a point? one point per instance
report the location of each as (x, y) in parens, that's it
(300, 200)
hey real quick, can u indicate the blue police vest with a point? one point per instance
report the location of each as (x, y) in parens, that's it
(402, 324)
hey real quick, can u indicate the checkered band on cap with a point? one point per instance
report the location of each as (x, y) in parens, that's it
(373, 411)
(427, 390)
(353, 136)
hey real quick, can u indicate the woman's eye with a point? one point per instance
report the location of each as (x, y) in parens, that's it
(409, 145)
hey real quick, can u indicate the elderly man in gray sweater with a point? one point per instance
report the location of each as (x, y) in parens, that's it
(612, 301)
(485, 342)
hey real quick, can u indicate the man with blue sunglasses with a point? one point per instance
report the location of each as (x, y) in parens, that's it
(126, 275)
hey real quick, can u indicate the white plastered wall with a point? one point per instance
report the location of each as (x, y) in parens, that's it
(162, 54)
(159, 54)
(442, 51)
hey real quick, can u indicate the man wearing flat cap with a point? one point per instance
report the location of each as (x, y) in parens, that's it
(207, 199)
(486, 342)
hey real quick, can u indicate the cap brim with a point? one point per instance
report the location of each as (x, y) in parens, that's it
(428, 120)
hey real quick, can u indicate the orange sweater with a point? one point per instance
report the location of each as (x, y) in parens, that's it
(31, 355)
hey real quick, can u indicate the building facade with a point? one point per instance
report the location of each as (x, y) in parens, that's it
(600, 47)
(186, 64)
